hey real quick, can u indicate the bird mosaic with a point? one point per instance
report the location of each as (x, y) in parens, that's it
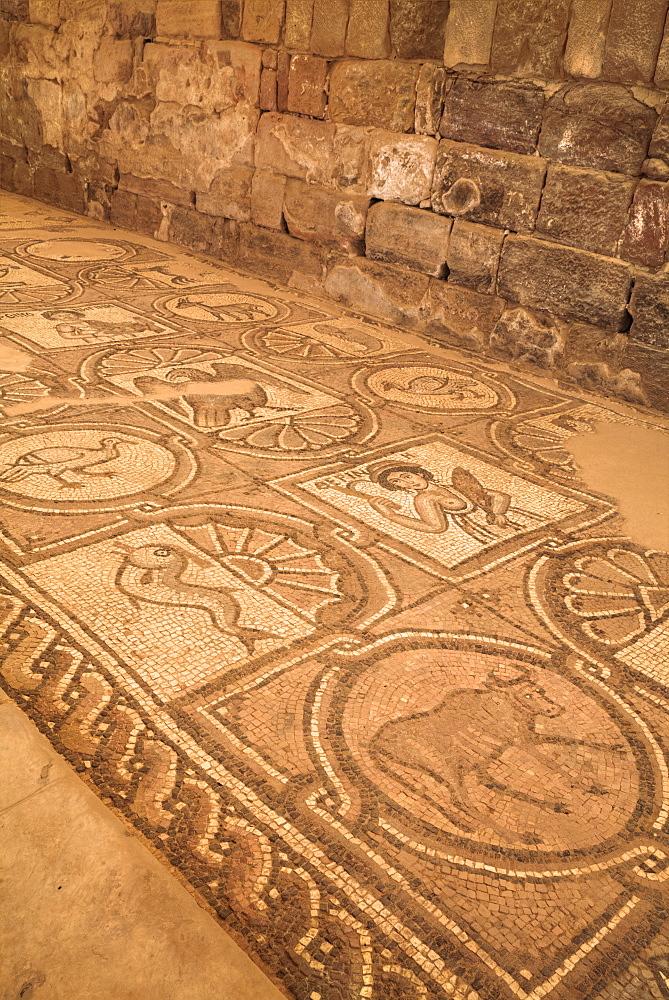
(65, 465)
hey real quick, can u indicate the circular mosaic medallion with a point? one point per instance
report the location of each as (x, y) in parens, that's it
(433, 388)
(77, 251)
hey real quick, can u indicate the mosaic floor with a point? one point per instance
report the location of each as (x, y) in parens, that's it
(335, 624)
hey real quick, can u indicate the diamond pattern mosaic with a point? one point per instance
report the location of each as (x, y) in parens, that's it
(332, 620)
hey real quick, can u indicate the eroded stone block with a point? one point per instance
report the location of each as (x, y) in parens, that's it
(182, 18)
(501, 115)
(328, 27)
(649, 308)
(320, 215)
(483, 185)
(297, 31)
(401, 166)
(229, 195)
(588, 22)
(473, 256)
(213, 77)
(585, 208)
(529, 37)
(469, 32)
(296, 147)
(459, 317)
(113, 60)
(380, 92)
(430, 89)
(633, 40)
(367, 34)
(262, 20)
(597, 125)
(646, 239)
(568, 282)
(307, 81)
(530, 337)
(394, 294)
(417, 28)
(414, 237)
(267, 191)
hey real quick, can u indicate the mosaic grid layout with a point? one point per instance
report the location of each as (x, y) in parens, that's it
(333, 622)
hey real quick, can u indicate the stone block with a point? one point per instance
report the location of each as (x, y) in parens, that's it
(24, 180)
(231, 18)
(401, 166)
(307, 81)
(501, 115)
(598, 125)
(44, 12)
(328, 28)
(320, 215)
(412, 237)
(652, 366)
(213, 77)
(154, 189)
(659, 144)
(529, 37)
(430, 90)
(367, 34)
(649, 308)
(113, 60)
(296, 147)
(267, 192)
(129, 19)
(393, 294)
(134, 212)
(646, 239)
(417, 28)
(473, 256)
(282, 75)
(278, 255)
(297, 31)
(483, 185)
(185, 19)
(6, 172)
(262, 20)
(268, 95)
(584, 53)
(229, 195)
(585, 208)
(270, 58)
(633, 40)
(190, 228)
(662, 67)
(458, 317)
(57, 188)
(567, 282)
(526, 336)
(379, 92)
(469, 33)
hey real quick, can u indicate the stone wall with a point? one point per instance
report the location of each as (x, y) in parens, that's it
(491, 173)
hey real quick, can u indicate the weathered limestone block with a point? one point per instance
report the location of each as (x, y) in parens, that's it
(267, 192)
(58, 188)
(412, 237)
(633, 40)
(282, 74)
(296, 147)
(652, 365)
(473, 256)
(214, 76)
(430, 89)
(189, 228)
(461, 318)
(469, 33)
(394, 294)
(379, 92)
(417, 28)
(184, 19)
(401, 166)
(328, 27)
(646, 239)
(320, 215)
(662, 67)
(367, 33)
(47, 96)
(586, 41)
(597, 376)
(231, 18)
(229, 195)
(40, 52)
(501, 115)
(529, 37)
(154, 189)
(584, 208)
(483, 185)
(135, 212)
(571, 283)
(597, 125)
(351, 157)
(262, 20)
(44, 12)
(307, 81)
(529, 337)
(649, 308)
(280, 256)
(129, 19)
(655, 169)
(297, 32)
(268, 95)
(113, 60)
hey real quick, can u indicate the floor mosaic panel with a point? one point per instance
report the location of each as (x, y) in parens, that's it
(334, 623)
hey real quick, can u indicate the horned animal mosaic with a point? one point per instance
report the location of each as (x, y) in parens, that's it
(333, 621)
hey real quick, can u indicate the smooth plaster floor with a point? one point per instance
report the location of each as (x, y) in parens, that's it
(366, 643)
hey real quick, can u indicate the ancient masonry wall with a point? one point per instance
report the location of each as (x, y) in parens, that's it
(493, 174)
